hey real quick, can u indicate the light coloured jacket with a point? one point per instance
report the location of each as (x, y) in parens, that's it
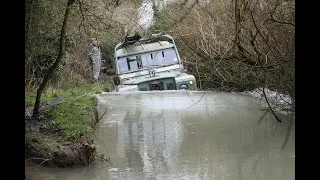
(94, 53)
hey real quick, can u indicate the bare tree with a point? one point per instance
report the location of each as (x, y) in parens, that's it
(236, 45)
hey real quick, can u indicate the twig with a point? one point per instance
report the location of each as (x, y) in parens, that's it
(278, 21)
(261, 35)
(103, 115)
(263, 68)
(190, 97)
(197, 101)
(281, 22)
(283, 99)
(106, 159)
(83, 18)
(43, 162)
(36, 159)
(265, 97)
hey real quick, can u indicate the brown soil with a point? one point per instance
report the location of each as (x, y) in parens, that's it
(44, 143)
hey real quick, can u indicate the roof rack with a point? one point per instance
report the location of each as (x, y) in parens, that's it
(130, 40)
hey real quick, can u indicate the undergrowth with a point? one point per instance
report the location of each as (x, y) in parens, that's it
(74, 113)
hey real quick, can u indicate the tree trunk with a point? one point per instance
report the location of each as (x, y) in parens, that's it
(56, 63)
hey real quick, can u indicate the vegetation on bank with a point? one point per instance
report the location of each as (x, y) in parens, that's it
(65, 125)
(70, 107)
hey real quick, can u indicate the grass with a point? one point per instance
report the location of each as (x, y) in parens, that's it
(75, 116)
(52, 94)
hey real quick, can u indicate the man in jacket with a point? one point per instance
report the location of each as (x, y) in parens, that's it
(94, 54)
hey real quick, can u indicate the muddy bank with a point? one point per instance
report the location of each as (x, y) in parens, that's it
(63, 133)
(45, 144)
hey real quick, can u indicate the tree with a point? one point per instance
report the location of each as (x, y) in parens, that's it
(47, 42)
(235, 45)
(62, 52)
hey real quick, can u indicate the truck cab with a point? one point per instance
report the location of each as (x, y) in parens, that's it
(150, 64)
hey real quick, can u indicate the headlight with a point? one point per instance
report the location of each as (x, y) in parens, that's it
(191, 82)
(183, 86)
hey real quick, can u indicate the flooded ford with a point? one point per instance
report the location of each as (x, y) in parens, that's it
(184, 135)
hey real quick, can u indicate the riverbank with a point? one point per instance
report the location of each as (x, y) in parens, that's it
(63, 134)
(281, 103)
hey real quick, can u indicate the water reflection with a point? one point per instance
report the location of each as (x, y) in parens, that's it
(154, 136)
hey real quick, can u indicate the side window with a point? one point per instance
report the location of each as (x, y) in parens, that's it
(123, 67)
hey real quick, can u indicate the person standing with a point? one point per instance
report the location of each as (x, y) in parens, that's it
(95, 59)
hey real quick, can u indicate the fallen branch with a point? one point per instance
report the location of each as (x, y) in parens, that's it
(102, 115)
(36, 159)
(44, 160)
(265, 97)
(105, 159)
(197, 101)
(262, 66)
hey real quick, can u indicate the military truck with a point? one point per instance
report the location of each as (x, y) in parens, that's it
(150, 64)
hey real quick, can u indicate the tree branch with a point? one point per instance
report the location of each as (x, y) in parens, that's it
(264, 74)
(280, 22)
(62, 51)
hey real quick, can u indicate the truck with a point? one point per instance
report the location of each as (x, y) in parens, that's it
(150, 63)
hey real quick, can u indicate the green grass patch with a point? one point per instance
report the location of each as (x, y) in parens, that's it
(30, 98)
(75, 115)
(51, 95)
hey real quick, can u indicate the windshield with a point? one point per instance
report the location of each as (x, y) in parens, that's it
(144, 61)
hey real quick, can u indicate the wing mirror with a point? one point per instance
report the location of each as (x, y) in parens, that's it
(189, 68)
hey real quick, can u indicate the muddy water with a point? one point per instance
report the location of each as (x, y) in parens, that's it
(162, 136)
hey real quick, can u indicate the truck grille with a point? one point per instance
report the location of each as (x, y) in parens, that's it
(156, 86)
(170, 86)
